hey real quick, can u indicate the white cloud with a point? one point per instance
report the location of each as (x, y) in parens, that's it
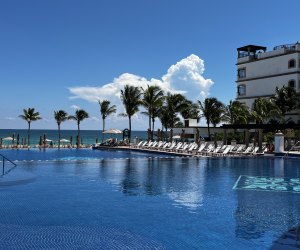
(10, 118)
(44, 119)
(185, 77)
(75, 107)
(94, 119)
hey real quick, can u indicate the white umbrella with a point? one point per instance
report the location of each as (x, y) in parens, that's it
(7, 139)
(64, 140)
(48, 140)
(112, 131)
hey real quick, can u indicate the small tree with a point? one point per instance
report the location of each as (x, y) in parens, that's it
(79, 116)
(60, 116)
(152, 100)
(212, 110)
(131, 99)
(286, 99)
(30, 115)
(105, 111)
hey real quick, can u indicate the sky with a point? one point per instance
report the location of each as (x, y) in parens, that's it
(68, 54)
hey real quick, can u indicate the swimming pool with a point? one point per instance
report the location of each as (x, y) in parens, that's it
(150, 203)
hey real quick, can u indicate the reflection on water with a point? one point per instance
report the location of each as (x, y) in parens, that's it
(273, 210)
(185, 201)
(181, 179)
(199, 185)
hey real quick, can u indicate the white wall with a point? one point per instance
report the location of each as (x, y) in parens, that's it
(271, 66)
(266, 86)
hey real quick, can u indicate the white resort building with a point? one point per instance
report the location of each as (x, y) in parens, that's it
(260, 71)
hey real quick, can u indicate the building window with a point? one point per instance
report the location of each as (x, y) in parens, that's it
(241, 90)
(242, 73)
(292, 84)
(292, 63)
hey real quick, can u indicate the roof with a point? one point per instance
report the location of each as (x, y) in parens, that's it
(252, 48)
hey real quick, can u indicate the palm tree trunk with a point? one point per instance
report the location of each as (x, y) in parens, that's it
(58, 136)
(28, 134)
(78, 135)
(129, 128)
(152, 134)
(150, 122)
(103, 127)
(208, 128)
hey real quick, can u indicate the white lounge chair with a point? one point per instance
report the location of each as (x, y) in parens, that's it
(201, 148)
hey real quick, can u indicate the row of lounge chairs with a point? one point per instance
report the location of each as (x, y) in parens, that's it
(204, 149)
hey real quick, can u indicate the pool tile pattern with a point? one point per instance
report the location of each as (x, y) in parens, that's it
(66, 237)
(258, 183)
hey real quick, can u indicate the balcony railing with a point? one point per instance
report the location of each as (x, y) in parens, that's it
(285, 46)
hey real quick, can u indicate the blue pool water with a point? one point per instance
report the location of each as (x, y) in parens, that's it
(71, 154)
(149, 203)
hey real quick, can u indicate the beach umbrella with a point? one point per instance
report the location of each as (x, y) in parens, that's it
(176, 137)
(48, 140)
(64, 140)
(112, 131)
(8, 138)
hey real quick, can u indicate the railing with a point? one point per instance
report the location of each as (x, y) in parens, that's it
(293, 147)
(3, 165)
(285, 46)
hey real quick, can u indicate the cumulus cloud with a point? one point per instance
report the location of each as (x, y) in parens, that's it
(185, 77)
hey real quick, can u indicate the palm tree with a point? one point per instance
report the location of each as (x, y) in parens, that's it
(30, 115)
(263, 109)
(191, 111)
(211, 109)
(152, 99)
(105, 111)
(60, 116)
(79, 116)
(286, 99)
(131, 99)
(236, 113)
(174, 103)
(164, 117)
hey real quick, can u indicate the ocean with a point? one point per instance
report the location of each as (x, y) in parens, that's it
(87, 136)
